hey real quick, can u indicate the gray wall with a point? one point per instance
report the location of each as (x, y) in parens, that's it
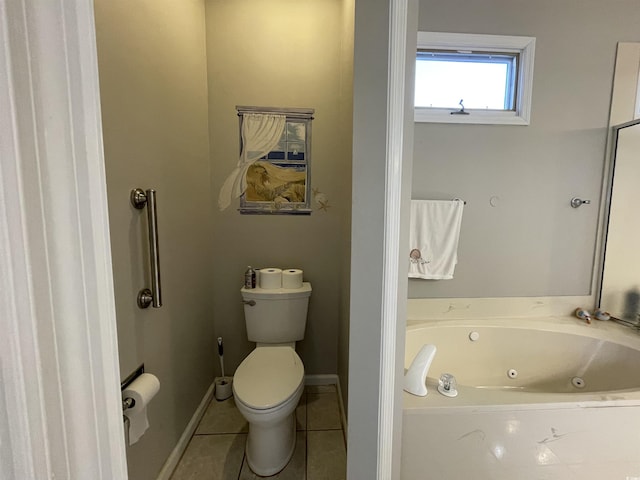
(371, 94)
(533, 243)
(154, 104)
(282, 54)
(367, 234)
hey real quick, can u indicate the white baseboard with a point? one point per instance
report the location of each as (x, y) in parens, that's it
(172, 462)
(331, 379)
(325, 379)
(343, 416)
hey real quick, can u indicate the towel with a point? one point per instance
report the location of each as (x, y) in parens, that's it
(433, 237)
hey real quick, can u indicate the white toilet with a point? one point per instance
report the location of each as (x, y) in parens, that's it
(268, 383)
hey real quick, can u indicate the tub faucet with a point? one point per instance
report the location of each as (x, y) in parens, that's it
(416, 376)
(583, 314)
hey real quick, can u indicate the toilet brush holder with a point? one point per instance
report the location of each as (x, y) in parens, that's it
(223, 388)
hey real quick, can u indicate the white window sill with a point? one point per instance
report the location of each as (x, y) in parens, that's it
(483, 117)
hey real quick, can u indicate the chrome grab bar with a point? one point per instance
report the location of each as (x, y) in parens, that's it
(140, 199)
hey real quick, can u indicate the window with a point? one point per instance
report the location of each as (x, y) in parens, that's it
(444, 77)
(462, 78)
(278, 158)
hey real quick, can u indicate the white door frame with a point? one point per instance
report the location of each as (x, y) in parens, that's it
(394, 291)
(61, 414)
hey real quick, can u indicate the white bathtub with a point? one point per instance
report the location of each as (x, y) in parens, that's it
(571, 411)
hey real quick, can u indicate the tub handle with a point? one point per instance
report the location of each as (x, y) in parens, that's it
(416, 376)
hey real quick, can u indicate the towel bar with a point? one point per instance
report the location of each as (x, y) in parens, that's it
(455, 200)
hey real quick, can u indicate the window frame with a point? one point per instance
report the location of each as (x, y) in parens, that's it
(524, 47)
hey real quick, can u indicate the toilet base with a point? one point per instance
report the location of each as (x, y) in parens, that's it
(269, 449)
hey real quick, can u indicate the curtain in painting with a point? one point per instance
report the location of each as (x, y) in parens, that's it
(260, 134)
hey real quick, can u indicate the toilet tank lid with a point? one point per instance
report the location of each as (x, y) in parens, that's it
(268, 377)
(279, 293)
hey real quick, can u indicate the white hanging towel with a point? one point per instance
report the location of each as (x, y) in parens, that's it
(433, 237)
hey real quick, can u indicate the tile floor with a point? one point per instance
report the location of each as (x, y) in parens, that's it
(216, 450)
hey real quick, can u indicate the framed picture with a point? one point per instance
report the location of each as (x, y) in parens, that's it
(278, 181)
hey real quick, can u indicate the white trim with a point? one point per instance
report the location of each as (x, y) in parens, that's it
(343, 415)
(62, 358)
(625, 98)
(389, 399)
(176, 454)
(476, 117)
(23, 426)
(321, 379)
(525, 46)
(475, 41)
(636, 113)
(634, 47)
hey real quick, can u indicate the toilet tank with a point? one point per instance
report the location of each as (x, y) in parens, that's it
(278, 316)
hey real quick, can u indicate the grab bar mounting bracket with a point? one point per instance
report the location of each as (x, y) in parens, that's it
(145, 298)
(138, 198)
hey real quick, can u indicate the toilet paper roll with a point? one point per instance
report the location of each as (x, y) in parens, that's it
(141, 390)
(292, 278)
(270, 278)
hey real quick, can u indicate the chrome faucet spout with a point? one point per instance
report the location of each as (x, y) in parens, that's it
(416, 376)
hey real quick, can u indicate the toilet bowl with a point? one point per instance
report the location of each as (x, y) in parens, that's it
(267, 387)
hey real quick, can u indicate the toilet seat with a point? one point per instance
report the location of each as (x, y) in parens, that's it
(268, 377)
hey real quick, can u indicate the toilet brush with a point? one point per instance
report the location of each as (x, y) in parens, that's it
(223, 386)
(221, 355)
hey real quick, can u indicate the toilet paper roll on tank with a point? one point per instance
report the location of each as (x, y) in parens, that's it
(292, 278)
(272, 278)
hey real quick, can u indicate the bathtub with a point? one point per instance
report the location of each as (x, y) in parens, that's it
(547, 398)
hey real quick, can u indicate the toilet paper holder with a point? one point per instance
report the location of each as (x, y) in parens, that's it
(130, 402)
(137, 391)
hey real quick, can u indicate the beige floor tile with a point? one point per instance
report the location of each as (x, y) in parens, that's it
(301, 413)
(326, 456)
(217, 450)
(323, 412)
(212, 457)
(222, 417)
(295, 469)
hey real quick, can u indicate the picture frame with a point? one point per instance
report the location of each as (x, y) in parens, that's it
(279, 182)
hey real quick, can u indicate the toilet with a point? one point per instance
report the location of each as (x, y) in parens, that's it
(268, 384)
